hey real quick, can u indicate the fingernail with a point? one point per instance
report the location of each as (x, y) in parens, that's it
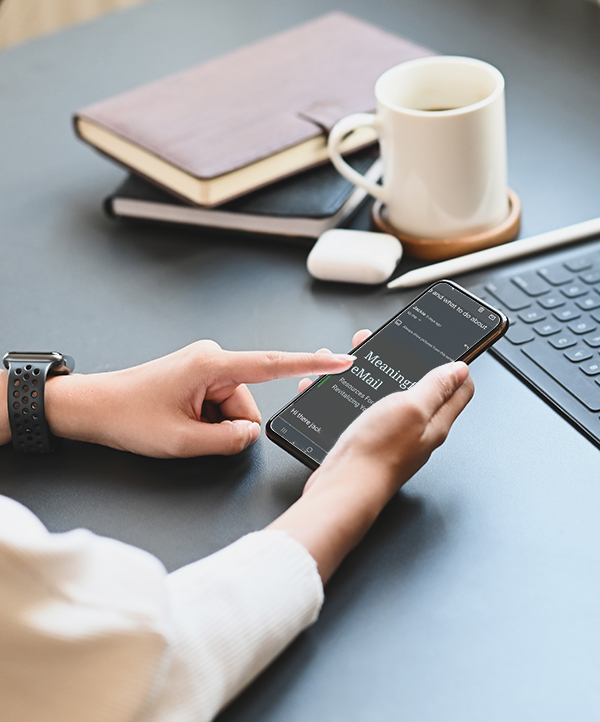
(344, 357)
(252, 427)
(255, 431)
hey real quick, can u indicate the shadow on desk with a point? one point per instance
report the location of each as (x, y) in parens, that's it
(178, 509)
(399, 542)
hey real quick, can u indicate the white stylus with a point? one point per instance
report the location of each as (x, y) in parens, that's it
(498, 254)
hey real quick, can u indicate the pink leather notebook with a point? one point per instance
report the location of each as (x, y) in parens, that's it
(243, 120)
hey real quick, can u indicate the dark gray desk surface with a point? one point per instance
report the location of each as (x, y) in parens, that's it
(477, 594)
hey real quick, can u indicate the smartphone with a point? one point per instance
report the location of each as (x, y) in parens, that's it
(445, 323)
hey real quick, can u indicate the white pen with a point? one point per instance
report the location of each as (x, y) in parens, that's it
(498, 254)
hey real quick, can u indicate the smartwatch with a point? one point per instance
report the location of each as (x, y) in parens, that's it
(27, 372)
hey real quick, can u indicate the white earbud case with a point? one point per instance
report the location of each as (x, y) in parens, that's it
(352, 256)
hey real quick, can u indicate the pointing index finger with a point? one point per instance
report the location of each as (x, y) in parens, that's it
(254, 367)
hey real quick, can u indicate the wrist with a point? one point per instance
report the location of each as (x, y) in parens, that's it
(370, 479)
(356, 488)
(76, 405)
(339, 505)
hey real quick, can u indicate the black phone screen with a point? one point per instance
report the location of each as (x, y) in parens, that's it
(443, 324)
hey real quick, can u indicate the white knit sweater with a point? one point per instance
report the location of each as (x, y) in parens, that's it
(94, 630)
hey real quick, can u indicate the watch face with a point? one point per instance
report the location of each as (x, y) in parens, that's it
(60, 363)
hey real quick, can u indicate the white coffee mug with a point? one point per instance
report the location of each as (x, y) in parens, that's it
(442, 132)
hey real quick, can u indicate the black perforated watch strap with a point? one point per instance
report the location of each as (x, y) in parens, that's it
(27, 374)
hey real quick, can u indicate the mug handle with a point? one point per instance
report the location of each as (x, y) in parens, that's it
(337, 134)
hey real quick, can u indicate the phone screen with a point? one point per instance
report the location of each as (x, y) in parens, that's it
(444, 324)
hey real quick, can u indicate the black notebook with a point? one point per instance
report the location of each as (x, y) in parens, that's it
(302, 206)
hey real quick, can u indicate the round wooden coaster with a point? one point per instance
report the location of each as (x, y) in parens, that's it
(439, 249)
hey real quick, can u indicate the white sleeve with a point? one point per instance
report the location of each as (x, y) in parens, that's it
(94, 630)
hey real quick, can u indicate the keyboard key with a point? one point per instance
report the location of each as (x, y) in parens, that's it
(596, 316)
(547, 328)
(531, 283)
(578, 354)
(590, 276)
(557, 367)
(532, 315)
(589, 303)
(565, 340)
(591, 368)
(574, 290)
(556, 274)
(551, 301)
(508, 294)
(579, 264)
(582, 326)
(518, 334)
(569, 313)
(593, 340)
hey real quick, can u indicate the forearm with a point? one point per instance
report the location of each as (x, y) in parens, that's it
(336, 511)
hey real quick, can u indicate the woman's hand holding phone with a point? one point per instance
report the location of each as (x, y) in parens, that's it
(444, 323)
(372, 459)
